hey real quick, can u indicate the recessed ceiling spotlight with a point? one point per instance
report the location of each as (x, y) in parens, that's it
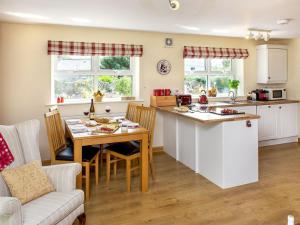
(27, 15)
(80, 20)
(174, 4)
(187, 27)
(283, 21)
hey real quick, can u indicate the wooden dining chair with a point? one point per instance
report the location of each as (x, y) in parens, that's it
(61, 152)
(130, 151)
(133, 112)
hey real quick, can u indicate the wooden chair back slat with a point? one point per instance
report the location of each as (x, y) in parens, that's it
(55, 131)
(147, 120)
(132, 113)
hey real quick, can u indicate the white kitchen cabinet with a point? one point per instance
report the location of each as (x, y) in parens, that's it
(268, 122)
(272, 64)
(288, 120)
(277, 121)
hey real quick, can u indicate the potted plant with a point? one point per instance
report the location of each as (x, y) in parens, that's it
(233, 86)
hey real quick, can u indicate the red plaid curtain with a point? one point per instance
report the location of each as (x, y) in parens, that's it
(84, 48)
(209, 52)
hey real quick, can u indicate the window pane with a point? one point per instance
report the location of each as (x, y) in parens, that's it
(115, 62)
(194, 65)
(115, 86)
(220, 65)
(195, 84)
(75, 63)
(220, 82)
(73, 86)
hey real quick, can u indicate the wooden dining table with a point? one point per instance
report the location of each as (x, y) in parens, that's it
(89, 138)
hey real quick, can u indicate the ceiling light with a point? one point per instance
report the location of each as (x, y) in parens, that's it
(283, 21)
(80, 20)
(266, 36)
(257, 34)
(174, 4)
(27, 15)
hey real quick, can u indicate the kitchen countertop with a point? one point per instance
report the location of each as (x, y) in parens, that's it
(238, 103)
(206, 117)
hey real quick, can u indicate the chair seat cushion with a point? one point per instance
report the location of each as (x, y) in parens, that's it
(67, 154)
(51, 208)
(125, 148)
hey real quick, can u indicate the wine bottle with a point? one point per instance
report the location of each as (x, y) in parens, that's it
(92, 110)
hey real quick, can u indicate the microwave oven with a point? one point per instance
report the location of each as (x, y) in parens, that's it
(275, 93)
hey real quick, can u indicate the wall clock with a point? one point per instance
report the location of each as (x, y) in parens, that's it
(163, 67)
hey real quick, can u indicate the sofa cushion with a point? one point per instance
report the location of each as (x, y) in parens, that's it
(28, 132)
(27, 182)
(51, 208)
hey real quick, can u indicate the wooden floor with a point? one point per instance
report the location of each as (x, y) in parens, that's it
(181, 197)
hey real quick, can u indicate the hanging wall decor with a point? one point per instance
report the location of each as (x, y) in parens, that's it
(163, 67)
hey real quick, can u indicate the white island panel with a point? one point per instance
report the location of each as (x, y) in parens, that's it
(187, 142)
(170, 134)
(240, 153)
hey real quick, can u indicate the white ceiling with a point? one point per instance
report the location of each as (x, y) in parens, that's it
(212, 17)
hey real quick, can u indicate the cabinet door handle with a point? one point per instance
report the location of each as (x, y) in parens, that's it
(269, 78)
(280, 107)
(269, 106)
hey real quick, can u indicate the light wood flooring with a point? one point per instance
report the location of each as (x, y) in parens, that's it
(181, 197)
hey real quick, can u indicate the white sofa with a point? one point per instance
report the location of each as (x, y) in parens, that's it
(62, 207)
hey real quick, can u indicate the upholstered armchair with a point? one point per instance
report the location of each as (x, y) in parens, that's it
(61, 207)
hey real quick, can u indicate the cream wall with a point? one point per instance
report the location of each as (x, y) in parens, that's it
(25, 66)
(293, 85)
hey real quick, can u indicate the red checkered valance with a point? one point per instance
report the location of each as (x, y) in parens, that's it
(84, 48)
(210, 52)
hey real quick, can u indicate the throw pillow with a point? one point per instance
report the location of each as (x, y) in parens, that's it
(6, 157)
(27, 182)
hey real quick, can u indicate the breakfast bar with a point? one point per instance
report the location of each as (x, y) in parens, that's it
(223, 149)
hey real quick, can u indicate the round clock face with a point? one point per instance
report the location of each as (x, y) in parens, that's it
(163, 67)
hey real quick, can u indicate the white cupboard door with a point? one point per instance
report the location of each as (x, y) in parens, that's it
(288, 120)
(268, 122)
(277, 66)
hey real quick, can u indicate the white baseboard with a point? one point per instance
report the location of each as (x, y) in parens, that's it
(278, 141)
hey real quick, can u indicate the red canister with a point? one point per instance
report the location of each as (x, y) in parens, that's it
(167, 92)
(158, 92)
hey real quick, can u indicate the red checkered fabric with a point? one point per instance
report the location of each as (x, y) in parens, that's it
(84, 48)
(6, 157)
(209, 52)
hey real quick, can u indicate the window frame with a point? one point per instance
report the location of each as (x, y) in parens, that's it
(209, 73)
(95, 72)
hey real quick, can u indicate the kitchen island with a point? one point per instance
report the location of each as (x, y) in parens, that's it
(223, 149)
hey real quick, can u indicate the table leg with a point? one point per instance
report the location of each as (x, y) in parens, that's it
(78, 159)
(144, 164)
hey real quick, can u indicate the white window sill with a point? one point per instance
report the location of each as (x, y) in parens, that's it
(87, 102)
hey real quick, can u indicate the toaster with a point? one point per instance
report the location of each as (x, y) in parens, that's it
(185, 99)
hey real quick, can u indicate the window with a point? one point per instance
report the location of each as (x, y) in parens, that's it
(203, 74)
(78, 77)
